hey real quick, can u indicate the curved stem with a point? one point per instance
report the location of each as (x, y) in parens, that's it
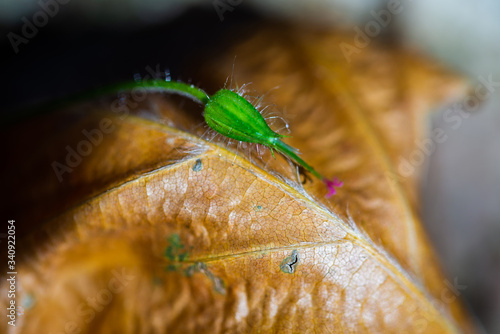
(162, 86)
(152, 85)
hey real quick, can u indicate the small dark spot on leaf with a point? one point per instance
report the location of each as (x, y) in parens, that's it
(157, 281)
(175, 252)
(218, 283)
(261, 256)
(189, 271)
(171, 267)
(198, 165)
(289, 263)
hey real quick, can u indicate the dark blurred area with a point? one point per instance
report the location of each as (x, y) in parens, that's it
(70, 55)
(88, 45)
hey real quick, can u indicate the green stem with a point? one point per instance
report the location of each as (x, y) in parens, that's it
(152, 85)
(291, 152)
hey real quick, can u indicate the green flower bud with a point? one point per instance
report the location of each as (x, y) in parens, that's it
(232, 115)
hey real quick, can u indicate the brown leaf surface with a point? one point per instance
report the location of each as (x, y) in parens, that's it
(158, 230)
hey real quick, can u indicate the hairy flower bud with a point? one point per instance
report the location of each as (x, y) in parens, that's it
(233, 116)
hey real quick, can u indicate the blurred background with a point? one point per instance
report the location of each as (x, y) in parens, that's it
(77, 45)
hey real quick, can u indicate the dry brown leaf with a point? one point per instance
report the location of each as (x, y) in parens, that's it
(157, 230)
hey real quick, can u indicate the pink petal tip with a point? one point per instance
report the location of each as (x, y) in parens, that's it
(331, 184)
